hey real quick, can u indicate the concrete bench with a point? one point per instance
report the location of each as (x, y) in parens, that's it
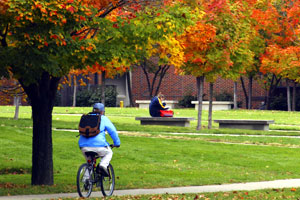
(217, 105)
(145, 103)
(244, 124)
(166, 121)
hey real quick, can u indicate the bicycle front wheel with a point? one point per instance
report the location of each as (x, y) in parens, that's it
(108, 183)
(84, 180)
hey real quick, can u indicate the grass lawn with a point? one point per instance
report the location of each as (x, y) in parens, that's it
(156, 156)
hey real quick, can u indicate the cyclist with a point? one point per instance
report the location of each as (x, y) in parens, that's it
(98, 143)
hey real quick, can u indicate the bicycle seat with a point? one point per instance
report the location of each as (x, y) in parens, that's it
(91, 154)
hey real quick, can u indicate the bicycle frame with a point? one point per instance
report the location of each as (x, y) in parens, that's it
(92, 166)
(84, 186)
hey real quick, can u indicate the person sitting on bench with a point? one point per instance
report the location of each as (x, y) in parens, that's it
(156, 105)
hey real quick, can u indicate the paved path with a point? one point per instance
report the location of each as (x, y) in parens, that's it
(288, 183)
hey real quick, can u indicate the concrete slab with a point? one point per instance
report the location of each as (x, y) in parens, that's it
(166, 121)
(244, 124)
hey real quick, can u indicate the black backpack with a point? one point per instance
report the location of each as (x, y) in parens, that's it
(89, 124)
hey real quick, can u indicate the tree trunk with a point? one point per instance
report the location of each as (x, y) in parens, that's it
(270, 93)
(74, 91)
(235, 106)
(200, 84)
(245, 92)
(42, 97)
(288, 95)
(159, 72)
(273, 85)
(294, 97)
(103, 88)
(17, 99)
(128, 79)
(143, 65)
(164, 70)
(211, 91)
(96, 79)
(250, 92)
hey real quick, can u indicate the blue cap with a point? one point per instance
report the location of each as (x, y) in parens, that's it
(99, 106)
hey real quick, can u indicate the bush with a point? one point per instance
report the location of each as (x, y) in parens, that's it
(95, 96)
(87, 98)
(110, 96)
(186, 102)
(224, 96)
(278, 102)
(83, 97)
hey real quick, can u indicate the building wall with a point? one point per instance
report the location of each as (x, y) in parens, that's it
(122, 90)
(174, 87)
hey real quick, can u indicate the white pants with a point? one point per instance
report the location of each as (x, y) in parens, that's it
(104, 152)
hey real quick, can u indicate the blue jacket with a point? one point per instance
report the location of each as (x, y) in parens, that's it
(100, 140)
(155, 106)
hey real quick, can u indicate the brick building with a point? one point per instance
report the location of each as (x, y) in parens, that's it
(174, 87)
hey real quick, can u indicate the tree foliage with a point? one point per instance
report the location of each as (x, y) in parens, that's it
(42, 41)
(278, 21)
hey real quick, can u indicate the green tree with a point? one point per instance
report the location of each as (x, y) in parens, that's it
(41, 41)
(38, 49)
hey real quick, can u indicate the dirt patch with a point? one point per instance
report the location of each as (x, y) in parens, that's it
(12, 185)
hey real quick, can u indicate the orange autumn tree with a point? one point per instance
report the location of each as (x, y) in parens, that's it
(219, 36)
(278, 22)
(283, 61)
(197, 40)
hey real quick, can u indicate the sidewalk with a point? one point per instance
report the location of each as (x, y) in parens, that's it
(288, 183)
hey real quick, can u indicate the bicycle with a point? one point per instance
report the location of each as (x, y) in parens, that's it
(88, 175)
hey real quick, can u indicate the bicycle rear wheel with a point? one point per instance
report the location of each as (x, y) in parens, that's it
(108, 183)
(84, 180)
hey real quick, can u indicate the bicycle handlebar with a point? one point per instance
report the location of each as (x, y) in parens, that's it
(112, 146)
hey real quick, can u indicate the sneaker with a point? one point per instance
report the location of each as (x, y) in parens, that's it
(104, 171)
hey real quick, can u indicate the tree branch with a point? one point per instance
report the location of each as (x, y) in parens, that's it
(164, 70)
(3, 40)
